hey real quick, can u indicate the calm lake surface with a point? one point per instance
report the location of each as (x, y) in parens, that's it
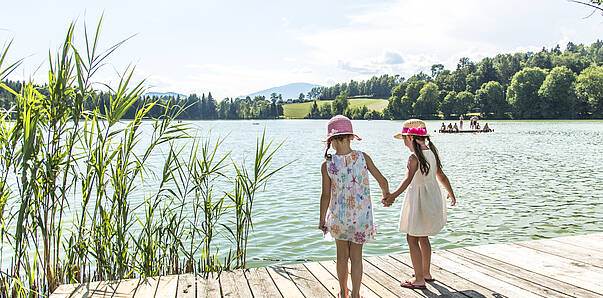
(526, 180)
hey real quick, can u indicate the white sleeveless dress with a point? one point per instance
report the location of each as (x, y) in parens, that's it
(424, 208)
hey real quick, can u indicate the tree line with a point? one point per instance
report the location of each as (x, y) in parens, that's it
(196, 108)
(550, 84)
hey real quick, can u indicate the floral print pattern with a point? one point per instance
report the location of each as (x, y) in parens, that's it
(350, 212)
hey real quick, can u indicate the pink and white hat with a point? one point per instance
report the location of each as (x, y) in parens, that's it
(340, 125)
(413, 127)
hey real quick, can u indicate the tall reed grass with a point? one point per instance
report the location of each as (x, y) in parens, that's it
(69, 174)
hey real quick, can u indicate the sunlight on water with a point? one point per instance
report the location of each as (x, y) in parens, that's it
(524, 181)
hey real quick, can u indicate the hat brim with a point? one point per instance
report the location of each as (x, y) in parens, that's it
(338, 134)
(401, 135)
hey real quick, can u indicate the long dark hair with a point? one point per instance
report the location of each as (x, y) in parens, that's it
(337, 137)
(423, 164)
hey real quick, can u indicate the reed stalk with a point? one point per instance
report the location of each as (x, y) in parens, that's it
(70, 172)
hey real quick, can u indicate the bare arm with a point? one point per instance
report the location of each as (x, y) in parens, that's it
(378, 176)
(444, 180)
(325, 196)
(411, 169)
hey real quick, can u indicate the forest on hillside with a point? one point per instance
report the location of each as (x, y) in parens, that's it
(550, 84)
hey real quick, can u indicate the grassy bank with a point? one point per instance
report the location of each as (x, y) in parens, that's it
(300, 110)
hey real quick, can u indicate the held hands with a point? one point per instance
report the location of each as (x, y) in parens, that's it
(388, 199)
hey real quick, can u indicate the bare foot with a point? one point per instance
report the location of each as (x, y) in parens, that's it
(413, 281)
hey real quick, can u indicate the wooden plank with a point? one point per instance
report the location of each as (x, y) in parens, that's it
(167, 287)
(560, 249)
(85, 289)
(234, 284)
(208, 285)
(64, 291)
(387, 281)
(575, 273)
(525, 274)
(187, 286)
(442, 276)
(147, 287)
(329, 281)
(126, 288)
(306, 282)
(283, 282)
(506, 277)
(584, 241)
(331, 267)
(260, 283)
(104, 289)
(480, 278)
(404, 272)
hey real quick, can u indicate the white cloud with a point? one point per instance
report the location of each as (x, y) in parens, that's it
(391, 57)
(428, 32)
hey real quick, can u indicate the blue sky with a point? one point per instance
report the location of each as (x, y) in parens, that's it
(237, 47)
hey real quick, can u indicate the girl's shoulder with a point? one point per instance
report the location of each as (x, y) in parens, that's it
(413, 159)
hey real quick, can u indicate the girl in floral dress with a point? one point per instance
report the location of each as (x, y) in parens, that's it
(346, 211)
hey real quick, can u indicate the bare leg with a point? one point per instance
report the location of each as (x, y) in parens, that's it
(426, 254)
(416, 258)
(356, 257)
(343, 254)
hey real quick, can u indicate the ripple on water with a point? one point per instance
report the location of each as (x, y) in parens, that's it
(526, 180)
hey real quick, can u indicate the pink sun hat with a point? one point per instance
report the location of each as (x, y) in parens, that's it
(340, 125)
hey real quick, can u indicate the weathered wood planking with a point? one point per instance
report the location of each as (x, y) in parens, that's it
(560, 267)
(261, 283)
(560, 286)
(331, 266)
(444, 277)
(579, 274)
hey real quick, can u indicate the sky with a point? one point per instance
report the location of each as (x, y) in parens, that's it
(233, 48)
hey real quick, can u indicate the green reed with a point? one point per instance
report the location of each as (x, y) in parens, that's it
(69, 172)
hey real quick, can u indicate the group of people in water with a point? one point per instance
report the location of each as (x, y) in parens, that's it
(473, 125)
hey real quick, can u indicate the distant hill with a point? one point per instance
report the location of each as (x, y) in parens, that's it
(287, 91)
(165, 94)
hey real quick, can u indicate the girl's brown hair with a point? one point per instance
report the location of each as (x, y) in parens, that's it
(423, 164)
(337, 137)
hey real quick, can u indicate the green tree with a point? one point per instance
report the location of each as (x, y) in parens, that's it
(447, 105)
(301, 97)
(523, 93)
(491, 100)
(428, 102)
(314, 112)
(436, 69)
(325, 111)
(589, 89)
(557, 94)
(340, 104)
(463, 103)
(413, 89)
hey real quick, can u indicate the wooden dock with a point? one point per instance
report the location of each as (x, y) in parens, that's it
(558, 267)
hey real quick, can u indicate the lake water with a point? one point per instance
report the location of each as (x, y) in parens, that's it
(526, 180)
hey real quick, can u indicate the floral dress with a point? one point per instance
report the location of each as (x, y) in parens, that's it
(350, 213)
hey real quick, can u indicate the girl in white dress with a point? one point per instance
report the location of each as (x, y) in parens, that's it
(424, 209)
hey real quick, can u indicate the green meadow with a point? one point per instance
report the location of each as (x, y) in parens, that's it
(300, 110)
